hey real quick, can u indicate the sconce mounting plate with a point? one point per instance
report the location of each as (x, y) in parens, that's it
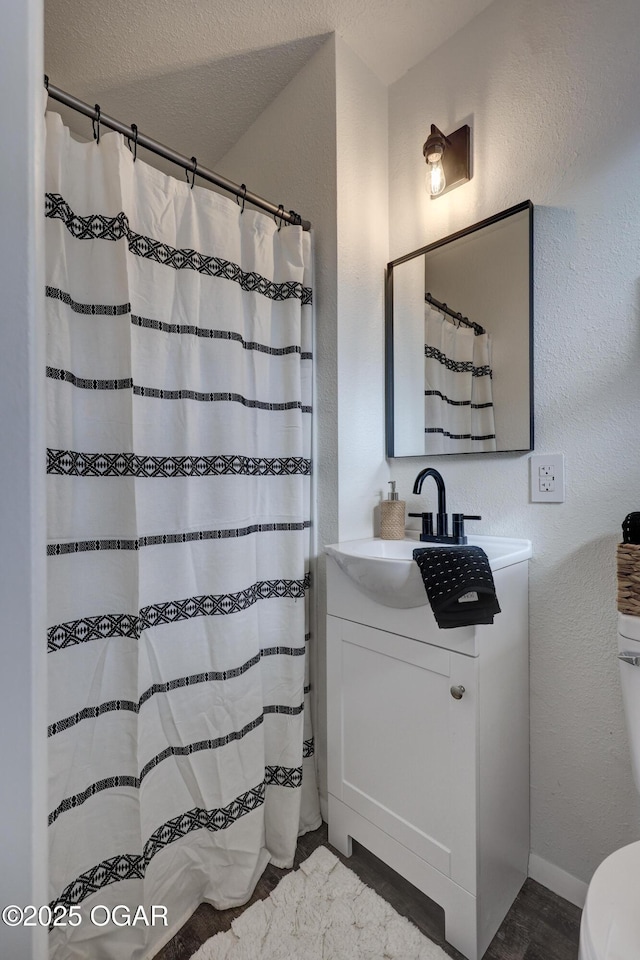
(456, 160)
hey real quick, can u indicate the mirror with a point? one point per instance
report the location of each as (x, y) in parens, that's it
(459, 341)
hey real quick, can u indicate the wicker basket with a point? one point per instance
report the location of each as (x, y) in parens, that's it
(629, 578)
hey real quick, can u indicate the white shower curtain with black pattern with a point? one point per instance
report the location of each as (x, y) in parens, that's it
(179, 379)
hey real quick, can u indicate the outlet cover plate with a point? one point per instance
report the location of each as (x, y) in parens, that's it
(546, 474)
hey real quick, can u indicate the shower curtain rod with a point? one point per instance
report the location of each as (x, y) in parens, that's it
(189, 164)
(452, 313)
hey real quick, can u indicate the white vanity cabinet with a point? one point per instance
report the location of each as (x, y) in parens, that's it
(428, 748)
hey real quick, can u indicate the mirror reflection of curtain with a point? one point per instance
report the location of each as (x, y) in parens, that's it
(458, 396)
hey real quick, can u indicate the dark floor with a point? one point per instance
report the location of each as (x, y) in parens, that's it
(539, 926)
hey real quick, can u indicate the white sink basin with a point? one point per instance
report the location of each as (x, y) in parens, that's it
(385, 569)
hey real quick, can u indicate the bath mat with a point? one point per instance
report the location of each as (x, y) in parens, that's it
(322, 911)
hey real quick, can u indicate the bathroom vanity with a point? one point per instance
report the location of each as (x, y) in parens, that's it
(428, 732)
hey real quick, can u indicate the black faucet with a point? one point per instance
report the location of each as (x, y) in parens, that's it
(441, 519)
(442, 524)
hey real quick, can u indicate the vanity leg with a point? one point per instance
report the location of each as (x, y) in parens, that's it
(460, 924)
(338, 834)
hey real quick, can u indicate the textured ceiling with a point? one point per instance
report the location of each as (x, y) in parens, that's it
(196, 73)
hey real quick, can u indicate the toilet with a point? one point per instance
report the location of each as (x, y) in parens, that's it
(610, 928)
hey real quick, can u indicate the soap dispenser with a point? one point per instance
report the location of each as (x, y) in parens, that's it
(392, 513)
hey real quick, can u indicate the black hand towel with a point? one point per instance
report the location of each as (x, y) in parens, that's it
(459, 585)
(631, 528)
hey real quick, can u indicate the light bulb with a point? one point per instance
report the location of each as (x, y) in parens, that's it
(433, 151)
(436, 180)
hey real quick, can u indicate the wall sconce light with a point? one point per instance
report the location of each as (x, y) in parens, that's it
(448, 160)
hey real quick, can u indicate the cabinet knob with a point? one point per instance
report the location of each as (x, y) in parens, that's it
(457, 692)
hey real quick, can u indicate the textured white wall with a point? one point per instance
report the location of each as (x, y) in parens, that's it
(363, 229)
(23, 777)
(551, 91)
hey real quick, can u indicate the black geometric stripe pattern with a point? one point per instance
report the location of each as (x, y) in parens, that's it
(91, 713)
(129, 625)
(111, 706)
(85, 383)
(460, 436)
(282, 709)
(70, 803)
(211, 676)
(308, 749)
(72, 463)
(209, 333)
(92, 628)
(155, 393)
(284, 651)
(457, 403)
(129, 866)
(457, 366)
(122, 309)
(83, 546)
(88, 309)
(98, 227)
(283, 777)
(286, 775)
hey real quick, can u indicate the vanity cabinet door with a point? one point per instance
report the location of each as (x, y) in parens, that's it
(403, 749)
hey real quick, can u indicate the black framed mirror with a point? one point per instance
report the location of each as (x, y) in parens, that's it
(459, 341)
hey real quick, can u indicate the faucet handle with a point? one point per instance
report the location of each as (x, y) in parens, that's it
(427, 523)
(458, 520)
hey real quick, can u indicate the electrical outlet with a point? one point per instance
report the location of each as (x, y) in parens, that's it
(546, 471)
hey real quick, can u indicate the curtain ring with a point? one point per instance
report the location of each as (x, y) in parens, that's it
(134, 128)
(94, 122)
(46, 82)
(243, 187)
(279, 213)
(194, 171)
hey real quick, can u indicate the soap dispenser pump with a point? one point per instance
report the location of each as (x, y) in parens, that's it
(392, 516)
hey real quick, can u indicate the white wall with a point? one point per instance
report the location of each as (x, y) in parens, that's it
(551, 91)
(363, 230)
(22, 541)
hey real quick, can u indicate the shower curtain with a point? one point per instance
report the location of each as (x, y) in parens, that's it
(179, 377)
(458, 396)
